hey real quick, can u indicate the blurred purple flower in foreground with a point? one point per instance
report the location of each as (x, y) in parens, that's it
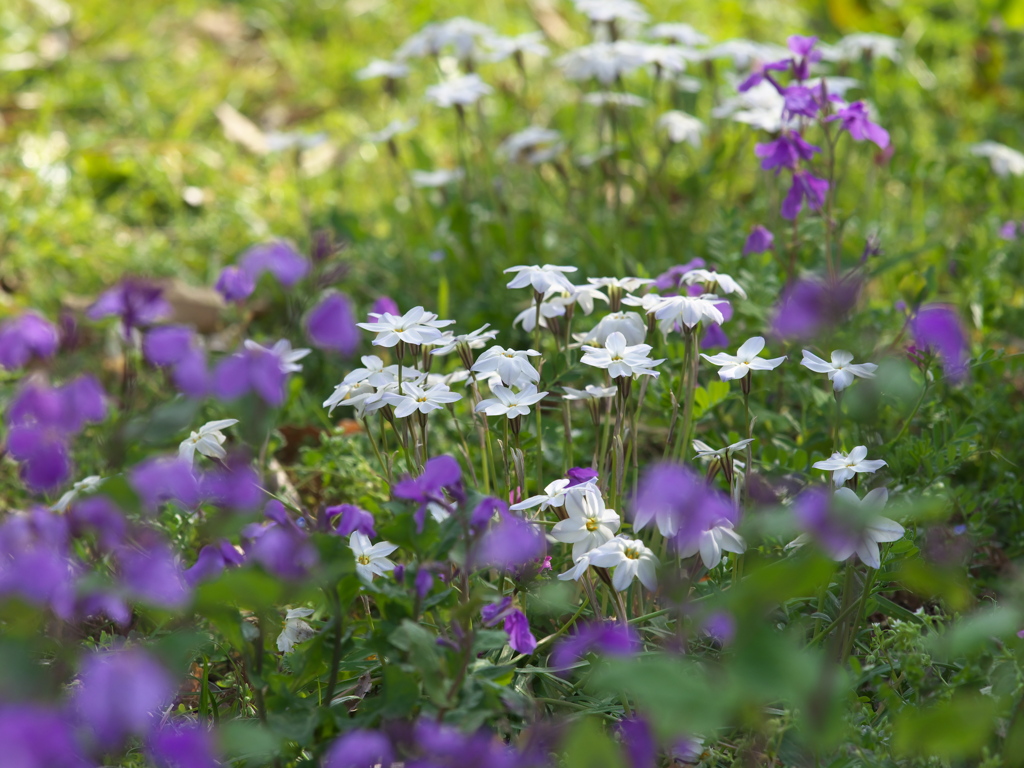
(33, 737)
(937, 327)
(24, 337)
(759, 240)
(807, 306)
(136, 302)
(440, 474)
(332, 325)
(602, 637)
(516, 625)
(237, 283)
(183, 745)
(359, 749)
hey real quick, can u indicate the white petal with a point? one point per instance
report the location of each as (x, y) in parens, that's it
(710, 552)
(842, 379)
(815, 363)
(751, 348)
(841, 358)
(867, 551)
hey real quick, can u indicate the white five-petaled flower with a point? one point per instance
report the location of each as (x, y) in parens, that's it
(460, 33)
(621, 359)
(461, 91)
(502, 48)
(283, 351)
(209, 441)
(477, 339)
(680, 127)
(415, 398)
(553, 496)
(630, 324)
(878, 530)
(508, 403)
(295, 629)
(349, 394)
(744, 361)
(85, 485)
(715, 280)
(589, 523)
(612, 10)
(1005, 160)
(841, 370)
(623, 284)
(541, 278)
(581, 295)
(371, 559)
(512, 365)
(711, 543)
(533, 145)
(630, 559)
(604, 62)
(844, 466)
(590, 392)
(417, 326)
(549, 308)
(392, 70)
(705, 451)
(434, 179)
(672, 311)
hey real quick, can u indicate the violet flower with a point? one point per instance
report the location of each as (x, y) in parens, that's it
(183, 745)
(721, 626)
(35, 560)
(151, 574)
(805, 187)
(351, 518)
(857, 121)
(278, 258)
(787, 151)
(937, 327)
(250, 370)
(100, 515)
(119, 694)
(672, 496)
(34, 737)
(162, 479)
(137, 302)
(601, 637)
(167, 344)
(807, 306)
(639, 742)
(359, 748)
(212, 560)
(580, 475)
(516, 625)
(235, 284)
(803, 48)
(800, 100)
(440, 474)
(510, 543)
(383, 305)
(24, 337)
(670, 279)
(280, 546)
(332, 325)
(235, 486)
(759, 240)
(423, 582)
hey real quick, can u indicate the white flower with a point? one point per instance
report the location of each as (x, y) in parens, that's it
(630, 324)
(744, 361)
(417, 326)
(672, 311)
(392, 129)
(712, 542)
(371, 560)
(502, 48)
(510, 404)
(541, 278)
(841, 370)
(705, 451)
(666, 58)
(477, 339)
(581, 295)
(295, 629)
(377, 374)
(281, 142)
(649, 302)
(532, 145)
(392, 70)
(715, 280)
(582, 563)
(85, 485)
(590, 392)
(1005, 161)
(681, 127)
(282, 349)
(548, 309)
(760, 107)
(460, 33)
(604, 62)
(435, 179)
(745, 52)
(349, 394)
(614, 99)
(683, 34)
(623, 284)
(589, 523)
(844, 466)
(612, 10)
(512, 365)
(856, 45)
(621, 359)
(209, 441)
(414, 398)
(461, 91)
(879, 530)
(630, 559)
(553, 496)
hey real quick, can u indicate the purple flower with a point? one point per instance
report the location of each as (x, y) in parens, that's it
(106, 604)
(136, 302)
(162, 479)
(580, 475)
(251, 370)
(520, 639)
(191, 375)
(151, 574)
(45, 464)
(714, 337)
(510, 543)
(857, 121)
(800, 100)
(331, 325)
(235, 486)
(119, 693)
(938, 327)
(803, 48)
(382, 305)
(808, 305)
(785, 152)
(35, 560)
(669, 280)
(359, 749)
(99, 514)
(440, 474)
(34, 737)
(351, 518)
(602, 637)
(638, 739)
(805, 187)
(235, 284)
(760, 74)
(1009, 230)
(212, 560)
(759, 240)
(423, 583)
(183, 745)
(167, 344)
(25, 336)
(279, 259)
(721, 626)
(674, 498)
(814, 513)
(483, 513)
(83, 401)
(280, 546)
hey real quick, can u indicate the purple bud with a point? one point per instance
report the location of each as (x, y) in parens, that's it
(805, 187)
(424, 582)
(759, 240)
(331, 325)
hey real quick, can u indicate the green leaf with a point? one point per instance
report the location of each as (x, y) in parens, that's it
(954, 729)
(589, 746)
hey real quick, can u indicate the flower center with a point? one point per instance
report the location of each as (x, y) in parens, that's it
(363, 560)
(592, 525)
(421, 399)
(632, 553)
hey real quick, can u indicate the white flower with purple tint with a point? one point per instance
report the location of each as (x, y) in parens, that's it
(282, 350)
(841, 371)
